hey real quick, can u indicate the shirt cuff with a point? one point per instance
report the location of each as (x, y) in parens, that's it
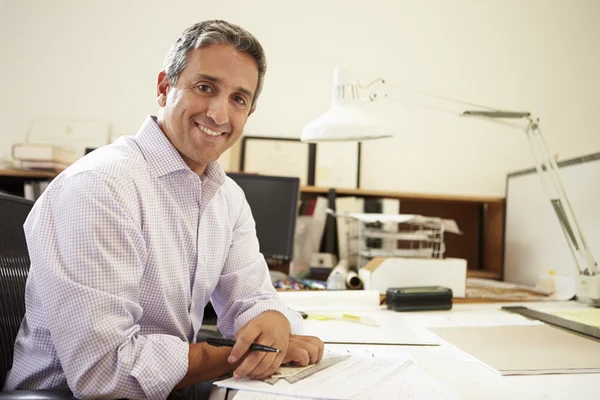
(161, 365)
(292, 316)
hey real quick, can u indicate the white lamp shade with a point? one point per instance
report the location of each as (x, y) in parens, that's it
(345, 121)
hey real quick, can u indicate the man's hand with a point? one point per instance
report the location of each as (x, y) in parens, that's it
(302, 350)
(271, 328)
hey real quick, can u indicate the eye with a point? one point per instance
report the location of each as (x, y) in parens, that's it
(204, 88)
(240, 100)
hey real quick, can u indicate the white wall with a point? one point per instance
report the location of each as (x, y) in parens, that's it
(99, 59)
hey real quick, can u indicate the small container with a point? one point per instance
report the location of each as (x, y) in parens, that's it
(419, 298)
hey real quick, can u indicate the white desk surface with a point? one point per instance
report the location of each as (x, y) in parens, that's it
(472, 380)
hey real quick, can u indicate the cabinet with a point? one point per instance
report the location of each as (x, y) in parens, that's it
(481, 219)
(12, 181)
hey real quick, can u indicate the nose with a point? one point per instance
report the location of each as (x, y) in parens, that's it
(217, 110)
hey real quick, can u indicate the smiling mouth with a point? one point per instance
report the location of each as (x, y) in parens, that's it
(209, 132)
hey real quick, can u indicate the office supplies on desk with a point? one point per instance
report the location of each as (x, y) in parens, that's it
(526, 350)
(382, 273)
(71, 134)
(44, 152)
(295, 374)
(419, 298)
(478, 288)
(219, 342)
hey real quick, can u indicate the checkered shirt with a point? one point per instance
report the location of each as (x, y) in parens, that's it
(127, 246)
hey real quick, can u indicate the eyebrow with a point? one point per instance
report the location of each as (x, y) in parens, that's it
(210, 78)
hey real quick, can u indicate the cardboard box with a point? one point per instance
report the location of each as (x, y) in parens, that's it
(383, 273)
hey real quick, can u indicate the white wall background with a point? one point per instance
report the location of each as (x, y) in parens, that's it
(99, 59)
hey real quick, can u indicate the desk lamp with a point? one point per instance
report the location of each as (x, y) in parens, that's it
(349, 120)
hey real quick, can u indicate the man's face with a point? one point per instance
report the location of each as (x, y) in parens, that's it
(205, 112)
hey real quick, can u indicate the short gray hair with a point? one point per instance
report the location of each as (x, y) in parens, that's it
(212, 32)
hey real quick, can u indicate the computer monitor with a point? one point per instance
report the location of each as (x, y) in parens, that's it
(273, 201)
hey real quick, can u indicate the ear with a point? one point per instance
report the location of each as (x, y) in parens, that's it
(252, 110)
(162, 88)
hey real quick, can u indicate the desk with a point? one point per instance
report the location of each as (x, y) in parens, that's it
(472, 380)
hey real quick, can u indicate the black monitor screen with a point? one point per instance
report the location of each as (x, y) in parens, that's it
(273, 201)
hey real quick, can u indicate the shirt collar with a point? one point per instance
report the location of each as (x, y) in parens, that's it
(163, 157)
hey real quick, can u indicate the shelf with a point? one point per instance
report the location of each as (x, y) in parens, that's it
(23, 173)
(402, 195)
(478, 273)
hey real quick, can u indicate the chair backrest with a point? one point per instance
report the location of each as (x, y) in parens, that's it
(14, 266)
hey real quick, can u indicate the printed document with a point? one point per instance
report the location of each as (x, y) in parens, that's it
(408, 383)
(345, 380)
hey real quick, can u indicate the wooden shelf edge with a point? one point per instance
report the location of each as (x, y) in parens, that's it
(473, 273)
(403, 195)
(28, 173)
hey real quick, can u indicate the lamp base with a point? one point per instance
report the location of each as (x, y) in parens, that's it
(588, 289)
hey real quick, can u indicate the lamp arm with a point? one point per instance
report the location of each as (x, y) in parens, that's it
(547, 169)
(545, 165)
(425, 94)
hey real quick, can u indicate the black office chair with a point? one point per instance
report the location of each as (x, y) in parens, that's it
(14, 267)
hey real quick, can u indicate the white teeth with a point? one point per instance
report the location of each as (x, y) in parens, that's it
(208, 131)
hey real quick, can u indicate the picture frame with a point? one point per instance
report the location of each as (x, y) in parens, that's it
(278, 156)
(337, 165)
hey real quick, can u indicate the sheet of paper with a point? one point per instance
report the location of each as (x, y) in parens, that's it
(526, 350)
(410, 383)
(392, 329)
(467, 318)
(344, 380)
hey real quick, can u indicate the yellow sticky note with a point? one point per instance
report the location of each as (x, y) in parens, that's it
(350, 317)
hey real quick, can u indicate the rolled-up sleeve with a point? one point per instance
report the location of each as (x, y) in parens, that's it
(91, 253)
(245, 290)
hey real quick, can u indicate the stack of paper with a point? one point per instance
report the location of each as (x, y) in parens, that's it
(370, 372)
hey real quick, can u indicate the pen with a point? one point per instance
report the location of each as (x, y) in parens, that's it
(218, 342)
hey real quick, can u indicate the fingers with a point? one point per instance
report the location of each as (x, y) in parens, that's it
(243, 340)
(313, 347)
(270, 369)
(255, 362)
(270, 328)
(298, 356)
(259, 363)
(321, 351)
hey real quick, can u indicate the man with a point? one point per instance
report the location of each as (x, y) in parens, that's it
(129, 243)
